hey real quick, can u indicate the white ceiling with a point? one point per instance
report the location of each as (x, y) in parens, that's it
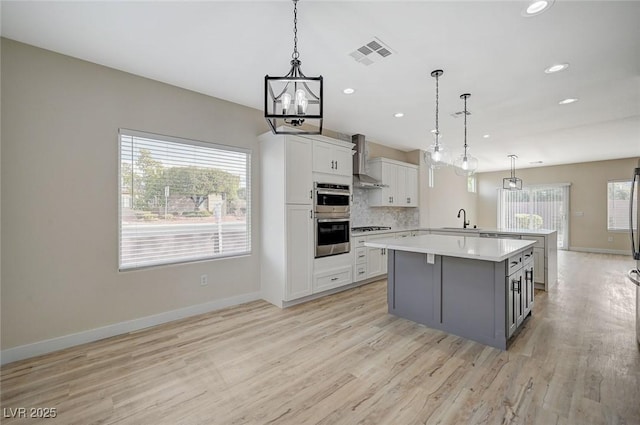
(225, 48)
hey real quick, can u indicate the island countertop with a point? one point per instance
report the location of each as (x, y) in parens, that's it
(487, 249)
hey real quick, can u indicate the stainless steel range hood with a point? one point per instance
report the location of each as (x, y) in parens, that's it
(360, 176)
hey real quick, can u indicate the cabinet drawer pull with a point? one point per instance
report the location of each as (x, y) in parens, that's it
(334, 279)
(361, 272)
(515, 284)
(361, 256)
(513, 263)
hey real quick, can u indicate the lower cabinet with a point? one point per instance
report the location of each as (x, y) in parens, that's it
(332, 279)
(299, 245)
(377, 257)
(514, 302)
(519, 289)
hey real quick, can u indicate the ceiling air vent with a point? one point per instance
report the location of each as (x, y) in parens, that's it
(371, 52)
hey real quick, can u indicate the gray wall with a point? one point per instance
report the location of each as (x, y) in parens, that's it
(59, 180)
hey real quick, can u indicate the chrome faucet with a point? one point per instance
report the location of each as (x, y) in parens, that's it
(465, 223)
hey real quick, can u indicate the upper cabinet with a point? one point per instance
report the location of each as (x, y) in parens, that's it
(298, 178)
(333, 157)
(400, 180)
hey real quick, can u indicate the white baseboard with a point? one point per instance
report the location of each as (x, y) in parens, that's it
(54, 344)
(600, 251)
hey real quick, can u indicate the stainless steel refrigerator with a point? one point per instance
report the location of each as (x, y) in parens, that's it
(634, 211)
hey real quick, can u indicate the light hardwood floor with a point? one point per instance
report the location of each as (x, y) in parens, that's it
(344, 360)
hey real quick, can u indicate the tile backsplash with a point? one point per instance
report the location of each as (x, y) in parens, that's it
(395, 217)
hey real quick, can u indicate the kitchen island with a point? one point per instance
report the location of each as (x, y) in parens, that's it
(477, 288)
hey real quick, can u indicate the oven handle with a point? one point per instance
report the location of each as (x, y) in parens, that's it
(332, 192)
(332, 220)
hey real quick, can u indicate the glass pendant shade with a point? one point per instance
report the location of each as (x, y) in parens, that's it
(293, 103)
(465, 165)
(437, 156)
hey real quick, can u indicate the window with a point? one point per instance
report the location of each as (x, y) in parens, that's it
(471, 184)
(536, 207)
(618, 198)
(181, 200)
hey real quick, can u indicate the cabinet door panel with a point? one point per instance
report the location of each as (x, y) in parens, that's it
(389, 178)
(538, 265)
(412, 187)
(299, 251)
(323, 161)
(374, 262)
(298, 171)
(343, 161)
(514, 302)
(402, 197)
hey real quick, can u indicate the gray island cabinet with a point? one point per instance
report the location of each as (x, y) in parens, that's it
(481, 289)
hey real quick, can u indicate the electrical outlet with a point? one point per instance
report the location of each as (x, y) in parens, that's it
(204, 280)
(610, 239)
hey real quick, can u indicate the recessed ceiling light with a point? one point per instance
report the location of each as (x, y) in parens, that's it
(348, 90)
(486, 136)
(398, 115)
(536, 7)
(556, 68)
(567, 101)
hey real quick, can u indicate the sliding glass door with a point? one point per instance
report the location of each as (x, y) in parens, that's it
(536, 207)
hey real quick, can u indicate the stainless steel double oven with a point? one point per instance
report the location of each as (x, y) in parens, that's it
(332, 207)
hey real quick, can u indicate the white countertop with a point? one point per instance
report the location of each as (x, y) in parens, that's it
(487, 249)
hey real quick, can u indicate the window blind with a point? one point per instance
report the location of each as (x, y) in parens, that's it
(618, 198)
(536, 207)
(181, 200)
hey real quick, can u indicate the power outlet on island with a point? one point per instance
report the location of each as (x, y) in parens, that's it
(610, 239)
(204, 280)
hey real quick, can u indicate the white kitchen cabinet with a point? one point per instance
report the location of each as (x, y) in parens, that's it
(400, 180)
(298, 178)
(332, 279)
(377, 257)
(289, 271)
(407, 183)
(286, 227)
(299, 247)
(332, 158)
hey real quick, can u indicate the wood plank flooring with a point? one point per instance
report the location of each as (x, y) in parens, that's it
(344, 360)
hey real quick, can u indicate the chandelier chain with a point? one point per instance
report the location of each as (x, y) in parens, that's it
(465, 126)
(437, 109)
(295, 53)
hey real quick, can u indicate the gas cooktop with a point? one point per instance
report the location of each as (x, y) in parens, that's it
(369, 228)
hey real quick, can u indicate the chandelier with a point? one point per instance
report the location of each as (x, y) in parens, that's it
(295, 99)
(437, 156)
(512, 183)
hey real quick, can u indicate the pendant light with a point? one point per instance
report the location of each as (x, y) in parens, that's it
(512, 183)
(465, 164)
(437, 156)
(295, 99)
